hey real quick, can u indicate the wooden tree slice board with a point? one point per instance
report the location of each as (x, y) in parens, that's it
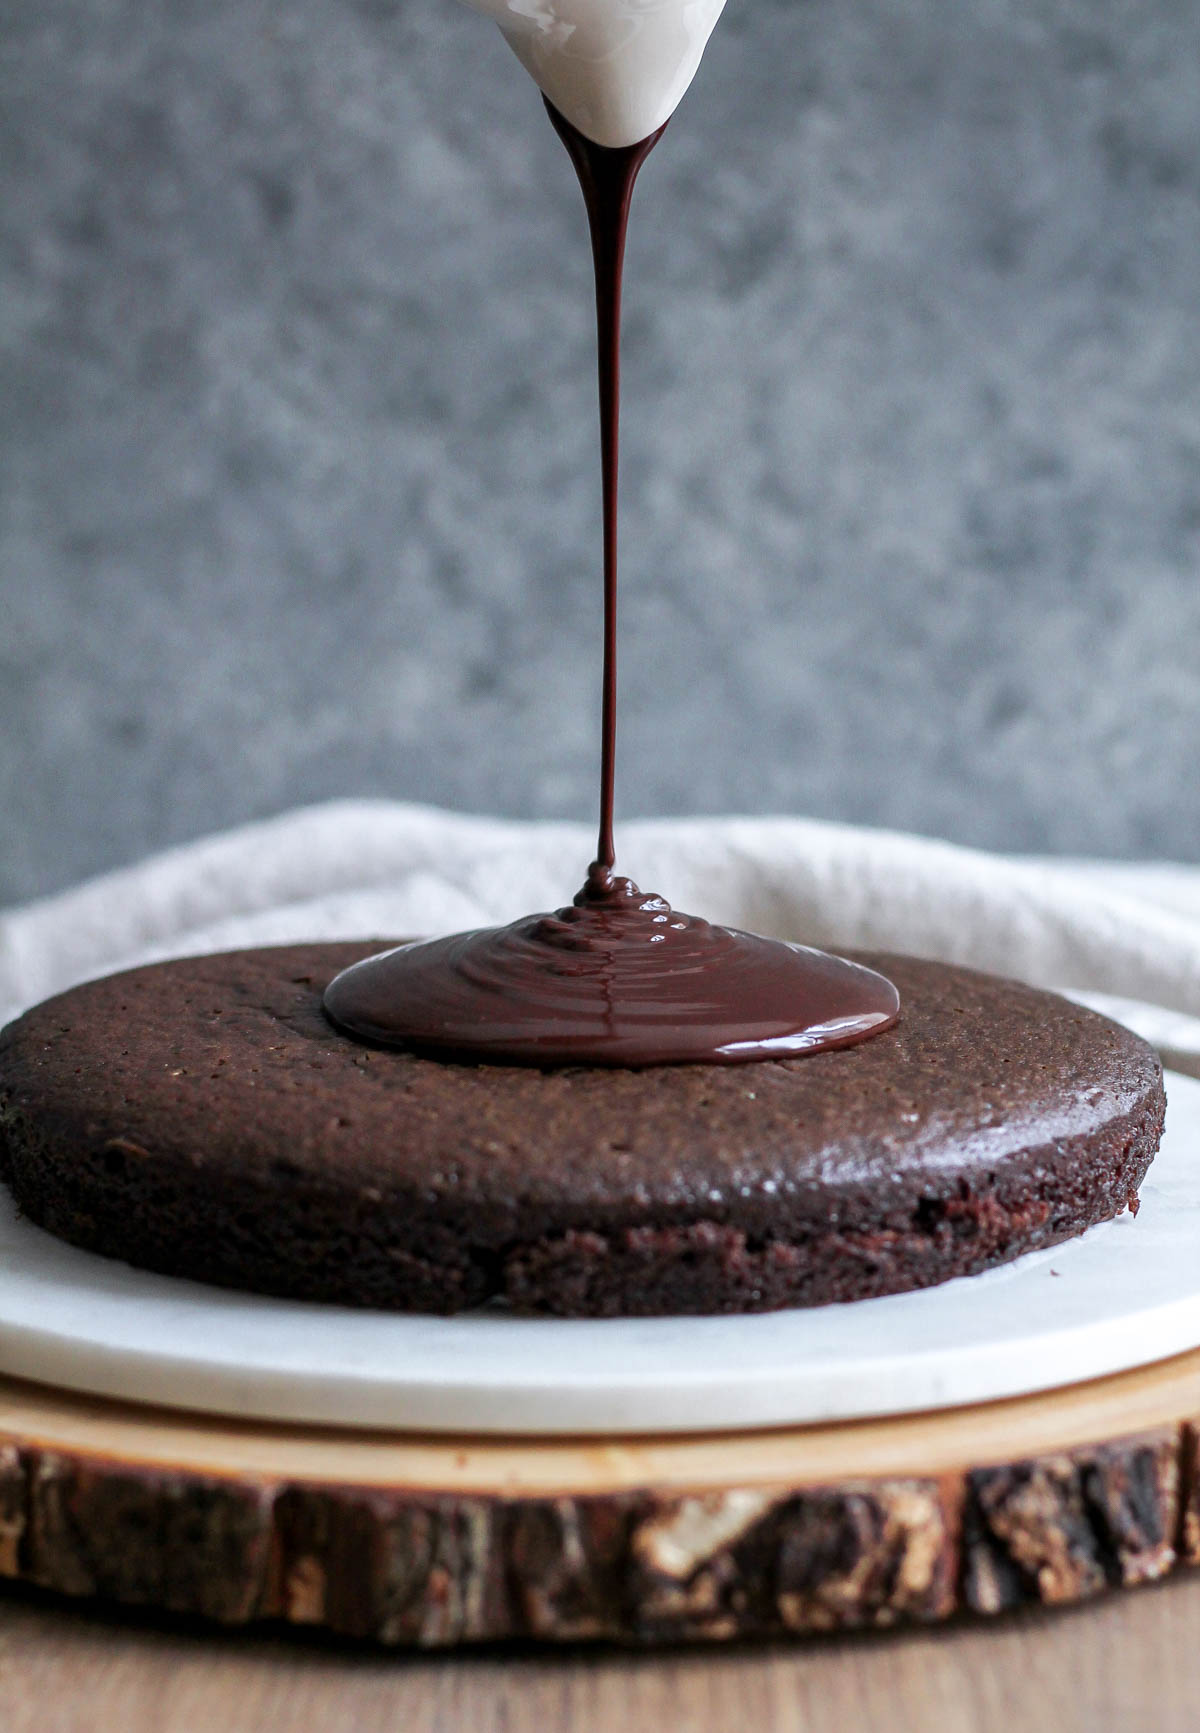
(410, 1540)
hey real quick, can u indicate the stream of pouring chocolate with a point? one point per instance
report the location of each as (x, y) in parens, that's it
(617, 978)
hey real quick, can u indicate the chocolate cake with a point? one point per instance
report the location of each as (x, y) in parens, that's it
(201, 1117)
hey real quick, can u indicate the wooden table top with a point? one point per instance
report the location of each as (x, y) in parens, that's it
(1125, 1663)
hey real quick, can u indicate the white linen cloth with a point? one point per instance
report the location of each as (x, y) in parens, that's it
(1125, 938)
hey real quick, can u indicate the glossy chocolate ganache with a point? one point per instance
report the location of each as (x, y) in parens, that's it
(617, 977)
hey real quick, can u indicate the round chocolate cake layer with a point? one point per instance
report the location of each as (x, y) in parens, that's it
(202, 1118)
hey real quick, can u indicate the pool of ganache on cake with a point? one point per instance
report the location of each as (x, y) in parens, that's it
(616, 978)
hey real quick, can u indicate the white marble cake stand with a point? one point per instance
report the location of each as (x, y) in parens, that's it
(1125, 1295)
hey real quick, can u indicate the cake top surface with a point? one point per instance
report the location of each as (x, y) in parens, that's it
(228, 1061)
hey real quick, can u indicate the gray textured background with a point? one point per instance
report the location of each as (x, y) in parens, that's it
(298, 444)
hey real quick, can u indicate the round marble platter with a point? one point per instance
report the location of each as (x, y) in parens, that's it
(1126, 1294)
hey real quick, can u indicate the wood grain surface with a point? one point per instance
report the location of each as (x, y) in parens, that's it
(1127, 1664)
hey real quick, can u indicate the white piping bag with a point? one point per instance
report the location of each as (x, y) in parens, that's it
(617, 69)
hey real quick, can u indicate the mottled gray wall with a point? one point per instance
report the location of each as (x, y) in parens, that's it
(299, 490)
